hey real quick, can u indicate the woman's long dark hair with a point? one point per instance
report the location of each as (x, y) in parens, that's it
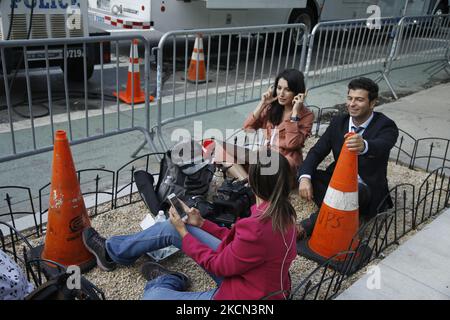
(296, 82)
(273, 185)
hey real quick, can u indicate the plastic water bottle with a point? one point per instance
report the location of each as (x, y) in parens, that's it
(161, 217)
(162, 253)
(215, 184)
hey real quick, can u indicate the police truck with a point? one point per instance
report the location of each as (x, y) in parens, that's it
(50, 19)
(160, 16)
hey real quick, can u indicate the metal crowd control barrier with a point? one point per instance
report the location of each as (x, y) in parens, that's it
(34, 268)
(343, 50)
(421, 40)
(95, 120)
(240, 64)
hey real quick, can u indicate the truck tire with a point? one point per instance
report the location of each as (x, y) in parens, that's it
(75, 69)
(11, 62)
(442, 8)
(75, 66)
(305, 16)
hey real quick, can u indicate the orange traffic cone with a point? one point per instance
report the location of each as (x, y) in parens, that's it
(197, 70)
(134, 77)
(338, 219)
(67, 215)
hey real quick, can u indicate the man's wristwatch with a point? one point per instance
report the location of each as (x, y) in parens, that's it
(296, 118)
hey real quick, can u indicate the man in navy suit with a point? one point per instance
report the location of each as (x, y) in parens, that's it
(376, 135)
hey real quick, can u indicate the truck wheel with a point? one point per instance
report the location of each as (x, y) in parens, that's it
(75, 65)
(305, 16)
(441, 9)
(75, 69)
(11, 63)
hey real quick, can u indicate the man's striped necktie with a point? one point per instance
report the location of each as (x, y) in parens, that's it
(357, 129)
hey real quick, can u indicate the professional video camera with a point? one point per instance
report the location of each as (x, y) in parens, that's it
(233, 200)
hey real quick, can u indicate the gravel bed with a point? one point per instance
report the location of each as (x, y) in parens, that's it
(126, 283)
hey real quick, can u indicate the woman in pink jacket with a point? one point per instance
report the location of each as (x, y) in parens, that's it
(249, 261)
(286, 121)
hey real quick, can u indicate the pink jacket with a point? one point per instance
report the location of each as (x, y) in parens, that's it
(249, 257)
(292, 135)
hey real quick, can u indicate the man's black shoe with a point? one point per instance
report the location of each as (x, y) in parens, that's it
(151, 270)
(96, 245)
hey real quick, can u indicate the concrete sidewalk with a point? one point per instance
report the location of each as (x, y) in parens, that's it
(418, 269)
(423, 114)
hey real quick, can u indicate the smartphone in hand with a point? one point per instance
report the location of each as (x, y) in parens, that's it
(176, 203)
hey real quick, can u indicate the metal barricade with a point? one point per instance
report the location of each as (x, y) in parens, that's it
(240, 64)
(92, 115)
(421, 40)
(343, 50)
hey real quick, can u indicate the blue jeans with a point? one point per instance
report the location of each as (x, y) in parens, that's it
(125, 250)
(168, 287)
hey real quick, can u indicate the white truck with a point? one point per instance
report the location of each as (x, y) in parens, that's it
(50, 19)
(162, 16)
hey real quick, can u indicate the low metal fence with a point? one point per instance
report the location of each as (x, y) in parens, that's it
(373, 239)
(19, 202)
(99, 187)
(34, 268)
(409, 210)
(324, 282)
(403, 220)
(435, 153)
(11, 245)
(425, 153)
(433, 195)
(404, 148)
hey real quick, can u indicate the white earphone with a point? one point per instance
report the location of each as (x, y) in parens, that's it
(284, 260)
